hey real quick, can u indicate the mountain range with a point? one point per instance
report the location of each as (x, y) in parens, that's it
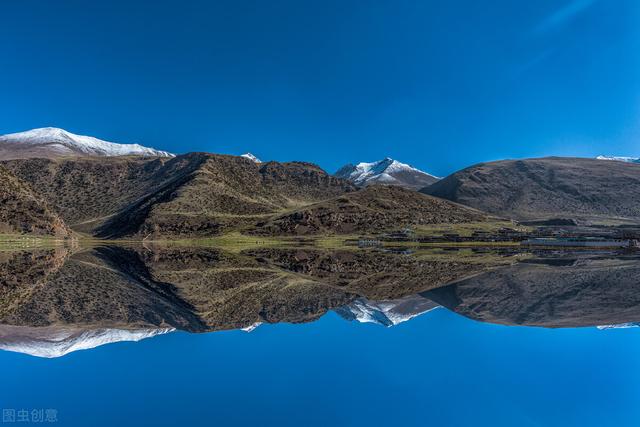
(58, 183)
(51, 304)
(192, 194)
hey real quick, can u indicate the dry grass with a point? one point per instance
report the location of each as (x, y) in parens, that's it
(11, 242)
(467, 229)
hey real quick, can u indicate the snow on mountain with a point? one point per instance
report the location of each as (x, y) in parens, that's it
(53, 142)
(386, 171)
(251, 157)
(620, 326)
(251, 327)
(387, 312)
(620, 159)
(54, 341)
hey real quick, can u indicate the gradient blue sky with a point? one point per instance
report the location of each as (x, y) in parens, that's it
(440, 85)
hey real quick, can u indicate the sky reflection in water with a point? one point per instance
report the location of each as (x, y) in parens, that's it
(438, 368)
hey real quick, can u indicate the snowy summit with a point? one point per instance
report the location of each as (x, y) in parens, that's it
(53, 341)
(388, 312)
(386, 171)
(54, 142)
(620, 159)
(251, 157)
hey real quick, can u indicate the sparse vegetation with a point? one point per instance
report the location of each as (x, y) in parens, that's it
(585, 190)
(11, 242)
(22, 211)
(374, 209)
(467, 229)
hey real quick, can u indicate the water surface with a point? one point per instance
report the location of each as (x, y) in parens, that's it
(291, 336)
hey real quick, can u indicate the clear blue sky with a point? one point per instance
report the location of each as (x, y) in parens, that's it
(440, 85)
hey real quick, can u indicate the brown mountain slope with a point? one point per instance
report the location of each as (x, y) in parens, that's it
(224, 193)
(587, 292)
(197, 290)
(193, 194)
(372, 209)
(375, 275)
(205, 289)
(22, 211)
(87, 189)
(554, 187)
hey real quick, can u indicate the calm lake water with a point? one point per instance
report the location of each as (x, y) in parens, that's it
(440, 367)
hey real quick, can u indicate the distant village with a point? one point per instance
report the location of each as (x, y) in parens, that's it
(551, 236)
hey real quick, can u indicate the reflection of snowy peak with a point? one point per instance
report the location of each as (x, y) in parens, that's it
(58, 341)
(620, 159)
(251, 157)
(386, 171)
(620, 326)
(388, 312)
(52, 142)
(251, 327)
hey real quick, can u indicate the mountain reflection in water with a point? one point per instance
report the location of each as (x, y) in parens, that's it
(56, 301)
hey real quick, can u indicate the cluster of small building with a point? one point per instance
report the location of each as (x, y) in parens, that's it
(543, 236)
(582, 243)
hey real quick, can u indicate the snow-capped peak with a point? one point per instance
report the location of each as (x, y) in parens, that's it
(388, 312)
(55, 341)
(251, 157)
(62, 142)
(386, 171)
(251, 327)
(620, 159)
(620, 326)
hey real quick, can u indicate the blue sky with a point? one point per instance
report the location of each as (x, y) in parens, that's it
(440, 85)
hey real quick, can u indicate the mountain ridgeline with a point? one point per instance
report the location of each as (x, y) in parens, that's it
(84, 185)
(111, 190)
(204, 289)
(52, 142)
(195, 194)
(200, 194)
(58, 300)
(586, 190)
